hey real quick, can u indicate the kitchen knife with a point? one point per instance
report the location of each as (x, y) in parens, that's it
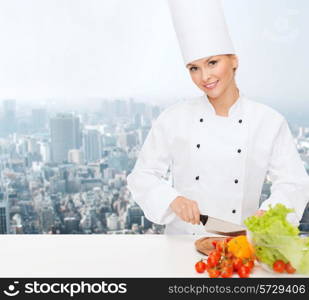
(222, 227)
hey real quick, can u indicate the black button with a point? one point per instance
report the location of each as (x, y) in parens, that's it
(234, 211)
(198, 145)
(239, 150)
(197, 177)
(236, 181)
(240, 121)
(201, 120)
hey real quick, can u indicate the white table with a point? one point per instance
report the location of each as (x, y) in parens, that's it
(102, 256)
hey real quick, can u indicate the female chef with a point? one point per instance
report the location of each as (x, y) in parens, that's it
(219, 146)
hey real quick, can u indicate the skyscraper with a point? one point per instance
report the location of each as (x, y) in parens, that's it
(120, 108)
(65, 135)
(39, 118)
(92, 145)
(8, 117)
(4, 214)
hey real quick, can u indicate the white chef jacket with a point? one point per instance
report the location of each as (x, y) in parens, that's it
(220, 162)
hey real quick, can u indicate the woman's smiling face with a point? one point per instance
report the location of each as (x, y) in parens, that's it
(215, 74)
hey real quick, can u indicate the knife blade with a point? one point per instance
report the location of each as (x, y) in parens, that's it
(221, 227)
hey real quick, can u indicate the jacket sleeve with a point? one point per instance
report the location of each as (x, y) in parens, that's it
(146, 181)
(290, 182)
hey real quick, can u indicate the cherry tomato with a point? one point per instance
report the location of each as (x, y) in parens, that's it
(213, 259)
(227, 263)
(216, 254)
(237, 263)
(227, 272)
(214, 243)
(200, 267)
(279, 266)
(213, 273)
(289, 269)
(243, 272)
(249, 264)
(219, 246)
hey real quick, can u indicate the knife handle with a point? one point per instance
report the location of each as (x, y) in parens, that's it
(203, 219)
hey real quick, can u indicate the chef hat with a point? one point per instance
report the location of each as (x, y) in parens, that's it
(201, 29)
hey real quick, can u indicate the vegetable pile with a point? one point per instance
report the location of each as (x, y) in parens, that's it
(232, 255)
(277, 243)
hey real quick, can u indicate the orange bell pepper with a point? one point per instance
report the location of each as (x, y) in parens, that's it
(240, 247)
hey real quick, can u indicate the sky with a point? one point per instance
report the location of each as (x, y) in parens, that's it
(82, 49)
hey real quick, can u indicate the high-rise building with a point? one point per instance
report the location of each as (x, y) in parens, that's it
(33, 146)
(47, 218)
(92, 143)
(4, 214)
(120, 108)
(45, 152)
(134, 215)
(65, 135)
(71, 225)
(112, 222)
(131, 107)
(9, 123)
(39, 119)
(127, 140)
(106, 108)
(76, 156)
(138, 120)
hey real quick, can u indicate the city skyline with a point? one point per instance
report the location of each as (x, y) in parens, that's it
(64, 173)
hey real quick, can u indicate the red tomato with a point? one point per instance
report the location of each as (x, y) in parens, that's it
(213, 259)
(219, 246)
(243, 272)
(289, 268)
(249, 264)
(214, 243)
(279, 266)
(213, 273)
(216, 254)
(200, 267)
(227, 263)
(237, 263)
(227, 272)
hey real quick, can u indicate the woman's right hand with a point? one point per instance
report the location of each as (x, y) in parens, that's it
(186, 209)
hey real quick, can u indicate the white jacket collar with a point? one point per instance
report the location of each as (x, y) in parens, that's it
(234, 110)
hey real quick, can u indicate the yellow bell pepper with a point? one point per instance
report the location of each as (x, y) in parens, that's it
(240, 247)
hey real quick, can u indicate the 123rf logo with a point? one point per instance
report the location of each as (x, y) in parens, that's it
(70, 289)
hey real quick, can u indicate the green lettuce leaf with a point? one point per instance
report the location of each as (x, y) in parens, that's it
(275, 238)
